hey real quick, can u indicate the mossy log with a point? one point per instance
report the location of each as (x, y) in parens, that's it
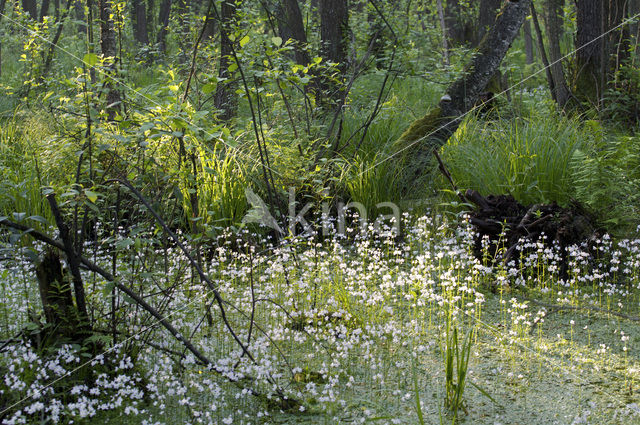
(433, 130)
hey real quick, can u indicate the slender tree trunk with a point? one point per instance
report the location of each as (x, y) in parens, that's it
(375, 35)
(543, 52)
(55, 294)
(225, 98)
(60, 27)
(434, 129)
(334, 29)
(109, 49)
(151, 25)
(619, 37)
(90, 36)
(78, 8)
(553, 24)
(487, 12)
(2, 5)
(290, 25)
(634, 9)
(212, 28)
(443, 27)
(528, 42)
(589, 79)
(139, 22)
(163, 21)
(456, 25)
(30, 7)
(182, 9)
(44, 10)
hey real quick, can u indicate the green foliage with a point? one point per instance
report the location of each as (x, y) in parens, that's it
(606, 177)
(24, 166)
(370, 182)
(218, 189)
(529, 158)
(455, 357)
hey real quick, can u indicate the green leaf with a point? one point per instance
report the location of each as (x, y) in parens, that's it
(208, 88)
(91, 196)
(108, 287)
(233, 67)
(277, 41)
(38, 218)
(90, 59)
(244, 40)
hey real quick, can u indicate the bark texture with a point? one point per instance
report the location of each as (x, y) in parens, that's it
(30, 7)
(139, 22)
(55, 294)
(528, 42)
(334, 27)
(459, 30)
(589, 80)
(2, 6)
(553, 20)
(44, 9)
(487, 13)
(291, 26)
(163, 19)
(108, 47)
(225, 98)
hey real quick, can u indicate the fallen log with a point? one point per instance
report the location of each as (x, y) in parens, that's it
(507, 223)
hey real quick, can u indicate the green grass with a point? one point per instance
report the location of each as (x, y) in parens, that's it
(546, 158)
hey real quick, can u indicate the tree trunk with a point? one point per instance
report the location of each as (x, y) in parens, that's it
(108, 46)
(334, 29)
(618, 38)
(290, 25)
(434, 129)
(457, 30)
(139, 22)
(543, 52)
(151, 28)
(30, 7)
(528, 42)
(634, 9)
(212, 28)
(554, 24)
(78, 8)
(54, 43)
(2, 5)
(55, 294)
(589, 80)
(443, 27)
(44, 10)
(486, 17)
(163, 20)
(225, 99)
